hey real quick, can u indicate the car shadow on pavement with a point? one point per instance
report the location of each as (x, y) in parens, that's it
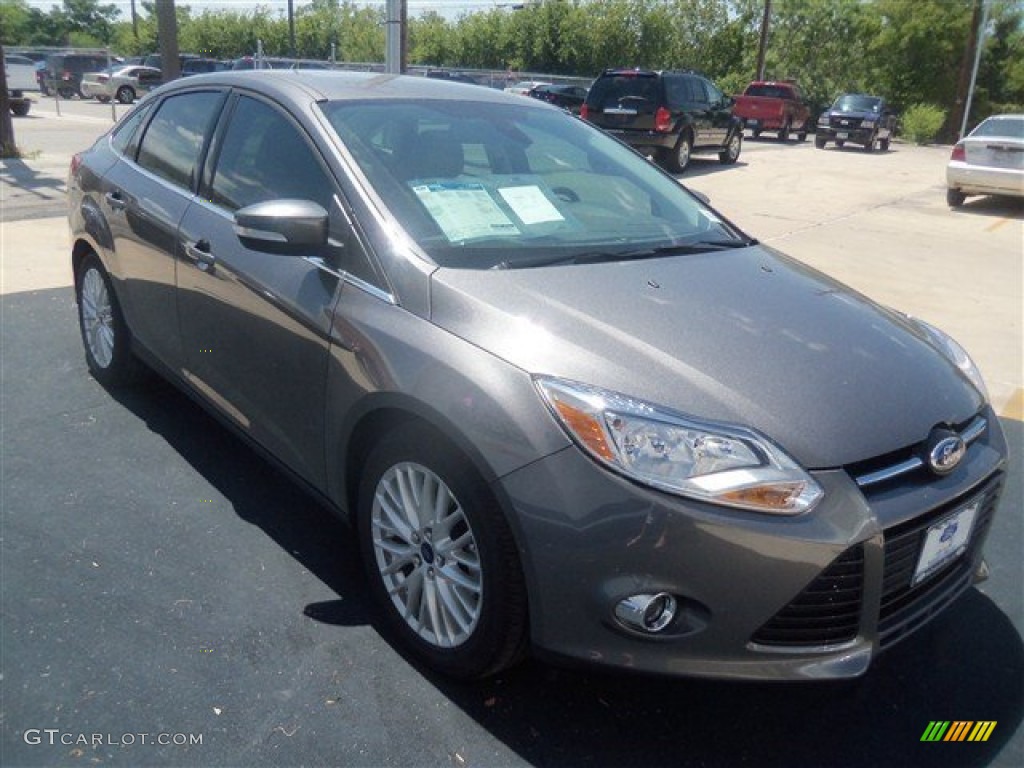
(996, 207)
(967, 665)
(705, 165)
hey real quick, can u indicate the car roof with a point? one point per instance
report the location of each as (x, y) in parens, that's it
(330, 85)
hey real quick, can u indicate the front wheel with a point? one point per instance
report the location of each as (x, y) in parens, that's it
(784, 132)
(105, 334)
(731, 153)
(21, 108)
(440, 558)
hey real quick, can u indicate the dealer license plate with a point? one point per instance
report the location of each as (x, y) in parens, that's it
(842, 135)
(946, 541)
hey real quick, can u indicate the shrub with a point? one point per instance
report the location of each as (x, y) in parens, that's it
(921, 123)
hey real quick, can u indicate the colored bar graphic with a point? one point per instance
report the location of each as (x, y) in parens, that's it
(935, 731)
(982, 731)
(959, 730)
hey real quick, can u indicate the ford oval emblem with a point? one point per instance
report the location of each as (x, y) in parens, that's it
(946, 454)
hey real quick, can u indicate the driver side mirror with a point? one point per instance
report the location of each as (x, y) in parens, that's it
(282, 226)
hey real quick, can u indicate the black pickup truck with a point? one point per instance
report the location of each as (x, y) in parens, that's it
(856, 118)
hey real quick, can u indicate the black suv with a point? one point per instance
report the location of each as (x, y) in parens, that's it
(669, 114)
(63, 73)
(858, 119)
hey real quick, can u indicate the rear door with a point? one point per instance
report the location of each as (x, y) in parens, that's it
(146, 195)
(255, 325)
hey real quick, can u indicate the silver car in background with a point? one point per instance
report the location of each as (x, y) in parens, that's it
(988, 161)
(565, 405)
(124, 83)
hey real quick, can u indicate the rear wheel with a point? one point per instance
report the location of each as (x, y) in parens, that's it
(884, 145)
(784, 132)
(819, 142)
(731, 153)
(955, 198)
(105, 335)
(678, 158)
(21, 108)
(440, 558)
(125, 94)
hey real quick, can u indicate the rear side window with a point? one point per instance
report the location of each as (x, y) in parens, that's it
(174, 139)
(124, 140)
(264, 156)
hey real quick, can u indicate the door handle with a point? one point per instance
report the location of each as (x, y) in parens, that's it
(115, 201)
(199, 254)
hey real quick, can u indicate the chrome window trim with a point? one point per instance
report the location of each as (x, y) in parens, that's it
(352, 280)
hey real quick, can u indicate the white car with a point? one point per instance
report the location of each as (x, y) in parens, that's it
(989, 161)
(124, 83)
(21, 77)
(525, 86)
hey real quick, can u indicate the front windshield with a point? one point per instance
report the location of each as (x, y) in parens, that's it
(480, 185)
(850, 103)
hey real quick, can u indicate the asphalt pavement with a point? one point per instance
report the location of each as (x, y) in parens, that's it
(162, 583)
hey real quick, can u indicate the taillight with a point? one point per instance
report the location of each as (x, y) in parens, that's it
(65, 75)
(585, 112)
(662, 120)
(76, 163)
(959, 153)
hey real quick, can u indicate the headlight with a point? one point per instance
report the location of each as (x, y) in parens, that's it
(716, 463)
(823, 120)
(955, 353)
(868, 124)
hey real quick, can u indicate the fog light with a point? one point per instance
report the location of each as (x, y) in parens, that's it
(647, 613)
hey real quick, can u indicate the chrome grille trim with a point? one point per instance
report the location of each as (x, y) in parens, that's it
(973, 431)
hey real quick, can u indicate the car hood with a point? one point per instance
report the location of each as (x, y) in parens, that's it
(747, 336)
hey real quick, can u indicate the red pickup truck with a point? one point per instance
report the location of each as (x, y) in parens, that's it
(767, 105)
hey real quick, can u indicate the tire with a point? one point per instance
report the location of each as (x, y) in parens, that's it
(801, 135)
(884, 145)
(755, 133)
(20, 108)
(870, 145)
(820, 142)
(677, 159)
(440, 558)
(955, 198)
(44, 90)
(125, 94)
(784, 132)
(840, 143)
(731, 153)
(105, 334)
(66, 93)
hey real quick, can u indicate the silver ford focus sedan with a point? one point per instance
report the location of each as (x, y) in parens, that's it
(566, 405)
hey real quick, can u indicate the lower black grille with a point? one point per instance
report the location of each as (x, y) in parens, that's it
(826, 612)
(906, 607)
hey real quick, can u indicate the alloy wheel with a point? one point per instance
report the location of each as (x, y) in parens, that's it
(426, 555)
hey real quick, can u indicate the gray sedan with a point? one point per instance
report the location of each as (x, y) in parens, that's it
(565, 405)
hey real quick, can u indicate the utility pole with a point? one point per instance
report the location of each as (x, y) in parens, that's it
(395, 22)
(135, 22)
(762, 46)
(291, 28)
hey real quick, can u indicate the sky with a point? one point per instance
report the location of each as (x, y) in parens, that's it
(448, 8)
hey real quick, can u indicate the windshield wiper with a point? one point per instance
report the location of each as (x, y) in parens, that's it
(594, 257)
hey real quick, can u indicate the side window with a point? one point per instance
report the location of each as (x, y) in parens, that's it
(694, 90)
(264, 156)
(676, 92)
(171, 145)
(714, 95)
(122, 140)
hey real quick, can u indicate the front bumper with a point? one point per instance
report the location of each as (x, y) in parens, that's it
(983, 180)
(757, 594)
(852, 135)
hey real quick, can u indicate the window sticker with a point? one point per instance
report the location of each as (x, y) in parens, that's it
(530, 204)
(465, 210)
